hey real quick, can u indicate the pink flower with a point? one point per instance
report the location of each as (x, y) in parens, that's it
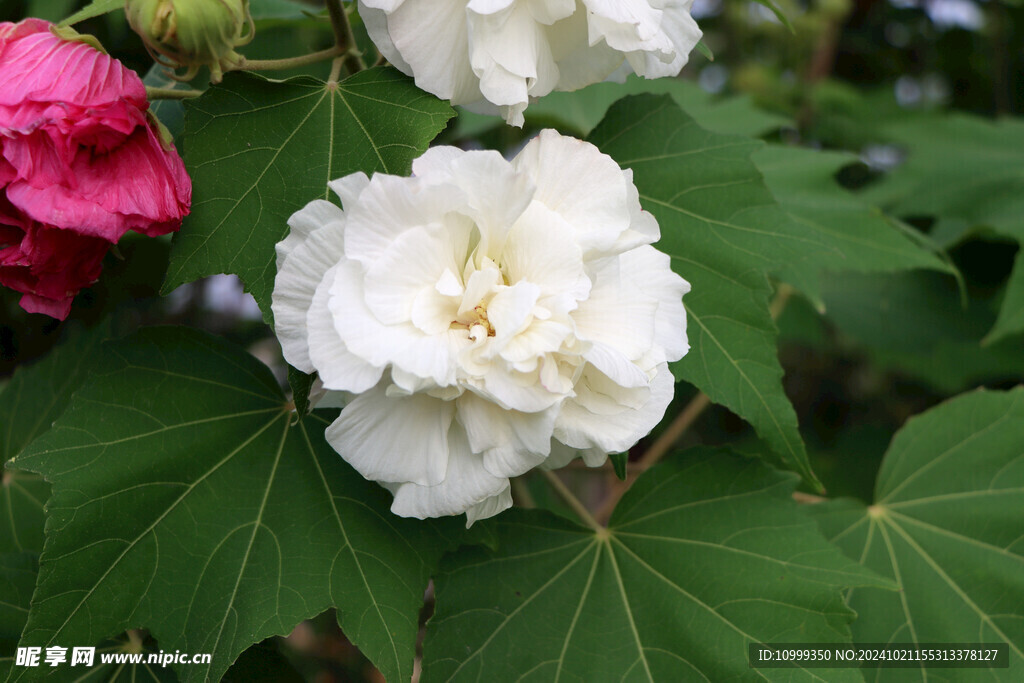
(81, 163)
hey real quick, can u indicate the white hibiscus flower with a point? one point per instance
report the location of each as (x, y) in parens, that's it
(503, 52)
(490, 316)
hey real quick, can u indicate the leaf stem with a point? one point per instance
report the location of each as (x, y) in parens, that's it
(154, 93)
(344, 39)
(291, 62)
(579, 508)
(521, 494)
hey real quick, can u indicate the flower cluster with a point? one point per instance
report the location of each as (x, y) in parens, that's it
(503, 52)
(489, 317)
(81, 163)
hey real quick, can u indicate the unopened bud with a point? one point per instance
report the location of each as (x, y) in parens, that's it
(190, 34)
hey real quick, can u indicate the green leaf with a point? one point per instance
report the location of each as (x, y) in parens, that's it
(860, 237)
(916, 323)
(581, 110)
(706, 553)
(259, 150)
(969, 170)
(779, 14)
(1011, 314)
(17, 578)
(31, 401)
(300, 383)
(724, 231)
(94, 9)
(211, 516)
(946, 525)
(619, 463)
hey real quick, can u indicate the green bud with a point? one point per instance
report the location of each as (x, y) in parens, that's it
(193, 33)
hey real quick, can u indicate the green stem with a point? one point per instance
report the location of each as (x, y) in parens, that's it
(344, 39)
(170, 93)
(291, 62)
(579, 508)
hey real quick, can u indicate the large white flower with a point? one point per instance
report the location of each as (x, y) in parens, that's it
(483, 312)
(503, 52)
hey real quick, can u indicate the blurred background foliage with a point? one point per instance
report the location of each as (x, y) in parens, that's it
(924, 94)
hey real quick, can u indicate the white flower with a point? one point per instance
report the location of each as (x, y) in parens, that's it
(506, 51)
(490, 315)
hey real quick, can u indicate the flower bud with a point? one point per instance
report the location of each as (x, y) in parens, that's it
(193, 33)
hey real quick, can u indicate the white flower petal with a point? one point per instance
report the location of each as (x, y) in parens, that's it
(616, 366)
(390, 206)
(511, 442)
(432, 38)
(412, 263)
(490, 506)
(395, 439)
(579, 183)
(467, 485)
(617, 313)
(303, 222)
(349, 188)
(550, 11)
(542, 248)
(511, 56)
(651, 272)
(510, 310)
(303, 268)
(339, 368)
(495, 196)
(402, 345)
(579, 426)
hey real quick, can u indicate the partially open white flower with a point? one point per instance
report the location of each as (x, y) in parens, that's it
(503, 52)
(483, 311)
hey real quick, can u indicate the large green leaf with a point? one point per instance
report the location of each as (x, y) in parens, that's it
(917, 324)
(706, 553)
(258, 150)
(17, 577)
(189, 500)
(31, 401)
(969, 170)
(947, 526)
(861, 237)
(725, 232)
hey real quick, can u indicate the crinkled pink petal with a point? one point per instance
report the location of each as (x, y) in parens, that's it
(49, 266)
(38, 66)
(136, 186)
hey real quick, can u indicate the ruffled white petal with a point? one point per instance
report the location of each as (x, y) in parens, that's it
(612, 424)
(617, 313)
(339, 369)
(403, 345)
(395, 439)
(349, 188)
(302, 265)
(511, 442)
(567, 173)
(650, 271)
(468, 485)
(542, 249)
